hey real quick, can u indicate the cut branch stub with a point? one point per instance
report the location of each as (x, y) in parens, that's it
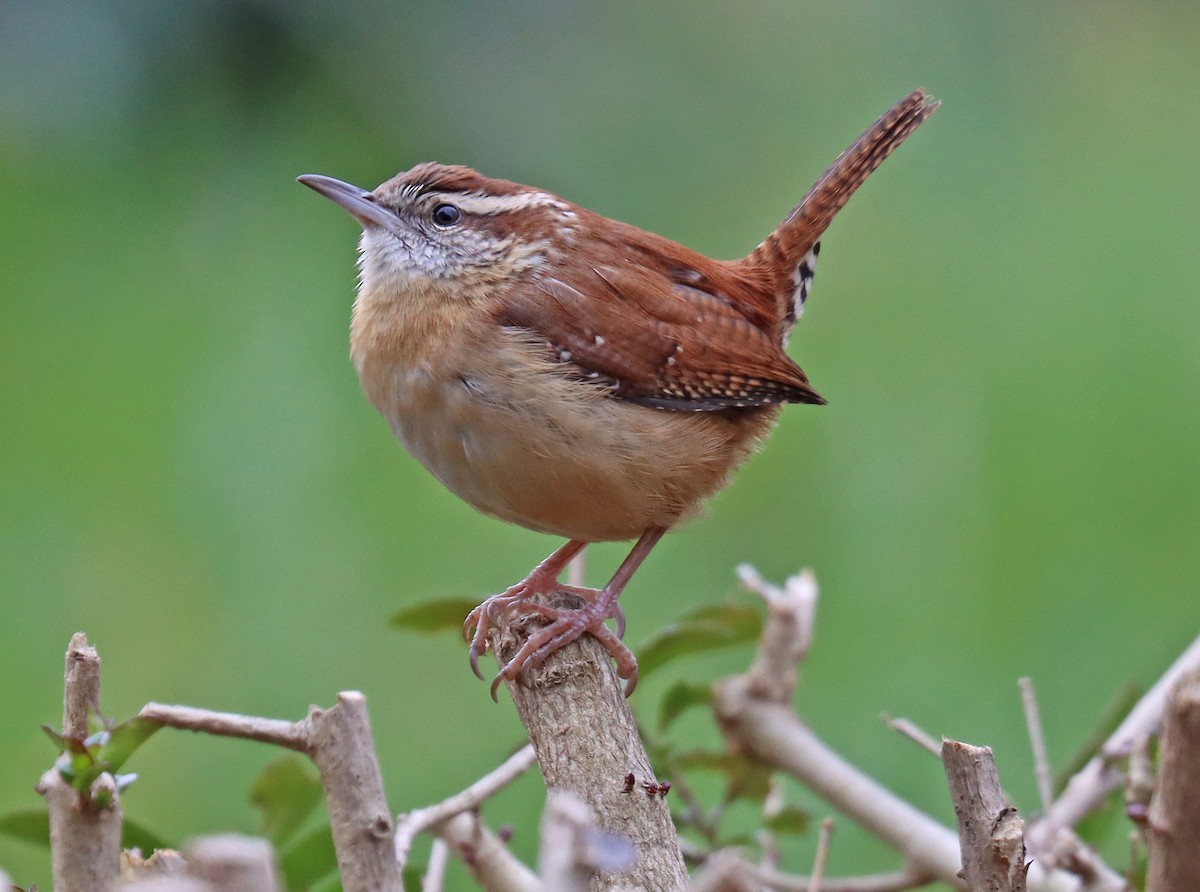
(991, 834)
(574, 709)
(1173, 836)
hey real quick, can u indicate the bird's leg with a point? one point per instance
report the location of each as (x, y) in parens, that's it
(541, 580)
(567, 624)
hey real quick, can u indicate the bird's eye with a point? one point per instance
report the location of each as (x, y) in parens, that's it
(445, 215)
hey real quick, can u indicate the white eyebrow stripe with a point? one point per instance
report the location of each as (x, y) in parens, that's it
(490, 205)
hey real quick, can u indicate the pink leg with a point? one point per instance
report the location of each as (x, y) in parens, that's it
(566, 625)
(542, 579)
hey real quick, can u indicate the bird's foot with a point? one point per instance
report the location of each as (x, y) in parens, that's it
(542, 580)
(567, 624)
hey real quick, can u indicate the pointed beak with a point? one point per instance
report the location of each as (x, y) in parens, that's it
(359, 203)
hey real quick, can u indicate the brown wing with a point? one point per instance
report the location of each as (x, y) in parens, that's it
(661, 339)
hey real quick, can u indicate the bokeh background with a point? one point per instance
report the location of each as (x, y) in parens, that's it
(1006, 323)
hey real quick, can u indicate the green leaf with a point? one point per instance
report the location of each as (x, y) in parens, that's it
(434, 616)
(310, 858)
(124, 740)
(85, 760)
(745, 619)
(60, 742)
(285, 793)
(791, 819)
(705, 628)
(682, 696)
(31, 825)
(738, 841)
(746, 779)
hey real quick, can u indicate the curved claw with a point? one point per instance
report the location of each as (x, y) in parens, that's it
(473, 659)
(471, 623)
(566, 626)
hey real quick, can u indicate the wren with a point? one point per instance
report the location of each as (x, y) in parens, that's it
(576, 375)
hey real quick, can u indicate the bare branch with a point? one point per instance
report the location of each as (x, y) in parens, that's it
(340, 745)
(1173, 836)
(990, 832)
(724, 871)
(81, 687)
(338, 740)
(1088, 789)
(787, 635)
(1070, 856)
(1139, 782)
(85, 841)
(899, 881)
(409, 826)
(85, 837)
(491, 864)
(757, 725)
(435, 874)
(234, 863)
(1037, 742)
(757, 722)
(564, 860)
(775, 736)
(290, 735)
(824, 838)
(587, 741)
(915, 733)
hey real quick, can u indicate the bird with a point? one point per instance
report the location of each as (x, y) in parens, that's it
(573, 374)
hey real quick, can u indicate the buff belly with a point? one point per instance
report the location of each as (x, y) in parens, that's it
(560, 456)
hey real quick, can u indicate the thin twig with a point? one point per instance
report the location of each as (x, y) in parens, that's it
(760, 724)
(1037, 743)
(755, 713)
(775, 736)
(898, 881)
(772, 806)
(435, 873)
(724, 871)
(787, 635)
(914, 732)
(81, 687)
(1100, 776)
(412, 824)
(338, 740)
(824, 836)
(290, 735)
(492, 865)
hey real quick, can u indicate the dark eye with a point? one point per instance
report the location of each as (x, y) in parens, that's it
(445, 215)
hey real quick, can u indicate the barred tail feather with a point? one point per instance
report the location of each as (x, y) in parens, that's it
(787, 257)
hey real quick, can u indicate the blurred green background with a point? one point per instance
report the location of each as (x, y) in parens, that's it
(1006, 323)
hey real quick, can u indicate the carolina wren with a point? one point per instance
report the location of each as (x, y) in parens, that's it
(576, 375)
